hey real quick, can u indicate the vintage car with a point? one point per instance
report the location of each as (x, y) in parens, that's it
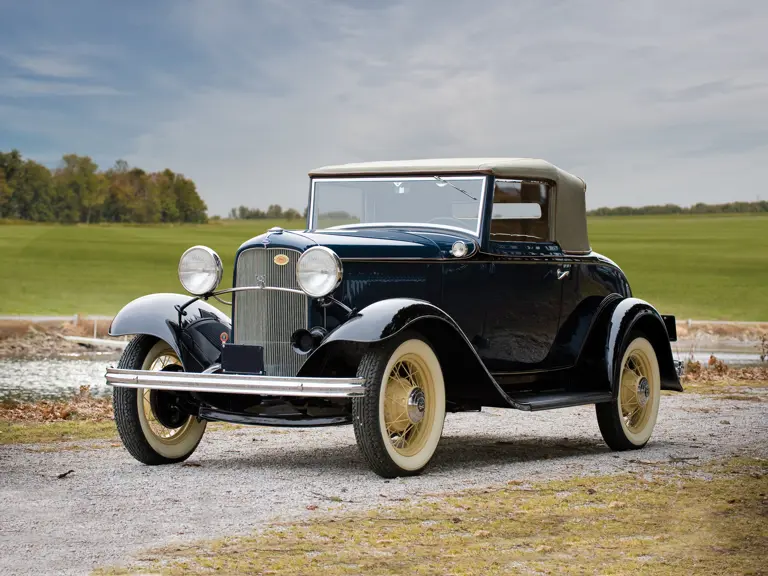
(417, 288)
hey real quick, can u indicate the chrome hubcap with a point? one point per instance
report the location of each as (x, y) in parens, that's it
(643, 391)
(416, 405)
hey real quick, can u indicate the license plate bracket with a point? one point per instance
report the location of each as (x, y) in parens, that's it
(243, 359)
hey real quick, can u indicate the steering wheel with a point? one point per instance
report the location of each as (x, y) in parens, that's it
(453, 221)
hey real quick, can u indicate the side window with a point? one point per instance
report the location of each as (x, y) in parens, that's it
(520, 211)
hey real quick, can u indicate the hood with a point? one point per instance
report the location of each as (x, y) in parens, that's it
(367, 243)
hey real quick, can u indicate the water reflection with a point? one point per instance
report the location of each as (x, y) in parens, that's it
(734, 359)
(30, 380)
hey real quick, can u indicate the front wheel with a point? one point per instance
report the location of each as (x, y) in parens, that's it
(399, 420)
(627, 422)
(153, 427)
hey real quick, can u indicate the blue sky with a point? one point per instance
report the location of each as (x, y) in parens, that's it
(650, 102)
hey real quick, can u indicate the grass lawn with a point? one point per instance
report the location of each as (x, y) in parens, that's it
(709, 267)
(99, 268)
(59, 431)
(684, 520)
(701, 267)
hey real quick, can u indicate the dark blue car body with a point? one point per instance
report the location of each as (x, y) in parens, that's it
(517, 324)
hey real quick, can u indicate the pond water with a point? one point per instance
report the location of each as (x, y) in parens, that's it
(730, 358)
(54, 379)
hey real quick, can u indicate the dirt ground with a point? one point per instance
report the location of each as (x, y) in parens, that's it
(33, 340)
(747, 338)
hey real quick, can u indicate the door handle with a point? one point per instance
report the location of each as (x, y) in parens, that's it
(562, 273)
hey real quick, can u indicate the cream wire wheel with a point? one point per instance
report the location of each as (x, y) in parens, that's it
(628, 421)
(151, 425)
(399, 421)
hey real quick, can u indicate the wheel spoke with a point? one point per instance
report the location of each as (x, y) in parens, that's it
(631, 416)
(158, 429)
(408, 385)
(405, 432)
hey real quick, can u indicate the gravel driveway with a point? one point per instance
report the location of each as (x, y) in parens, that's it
(111, 507)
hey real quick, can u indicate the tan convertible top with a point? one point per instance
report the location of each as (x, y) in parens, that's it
(569, 226)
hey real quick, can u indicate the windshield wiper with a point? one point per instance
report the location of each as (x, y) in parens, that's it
(516, 235)
(454, 187)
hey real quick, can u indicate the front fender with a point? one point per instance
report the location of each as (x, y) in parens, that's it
(467, 378)
(630, 314)
(196, 340)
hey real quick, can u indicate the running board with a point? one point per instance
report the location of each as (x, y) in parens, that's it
(534, 401)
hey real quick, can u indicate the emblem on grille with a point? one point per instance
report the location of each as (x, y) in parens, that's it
(261, 281)
(281, 259)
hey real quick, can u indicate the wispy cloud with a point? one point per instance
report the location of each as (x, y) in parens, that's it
(72, 70)
(50, 65)
(18, 87)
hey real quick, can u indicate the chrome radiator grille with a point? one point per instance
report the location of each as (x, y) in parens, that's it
(268, 318)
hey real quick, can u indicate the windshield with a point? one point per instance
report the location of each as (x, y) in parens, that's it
(425, 200)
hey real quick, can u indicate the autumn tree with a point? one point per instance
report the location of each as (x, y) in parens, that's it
(77, 191)
(81, 188)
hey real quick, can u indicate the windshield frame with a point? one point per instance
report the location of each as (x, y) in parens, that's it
(312, 224)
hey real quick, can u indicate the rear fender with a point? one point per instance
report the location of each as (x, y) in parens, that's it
(610, 335)
(466, 377)
(196, 336)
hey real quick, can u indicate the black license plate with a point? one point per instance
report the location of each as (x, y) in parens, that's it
(242, 359)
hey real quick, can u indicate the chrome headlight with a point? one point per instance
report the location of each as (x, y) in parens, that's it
(200, 270)
(318, 271)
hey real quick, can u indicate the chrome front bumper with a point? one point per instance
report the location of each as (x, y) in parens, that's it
(237, 383)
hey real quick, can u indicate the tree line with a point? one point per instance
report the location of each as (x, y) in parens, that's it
(699, 208)
(77, 191)
(274, 212)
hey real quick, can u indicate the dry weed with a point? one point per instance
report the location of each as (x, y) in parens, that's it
(83, 406)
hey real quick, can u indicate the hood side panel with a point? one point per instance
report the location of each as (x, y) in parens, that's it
(367, 282)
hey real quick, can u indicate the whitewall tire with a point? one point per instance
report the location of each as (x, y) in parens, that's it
(627, 422)
(399, 421)
(153, 429)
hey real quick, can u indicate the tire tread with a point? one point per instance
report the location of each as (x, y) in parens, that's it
(126, 411)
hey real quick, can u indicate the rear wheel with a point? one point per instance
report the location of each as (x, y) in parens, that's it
(152, 426)
(627, 422)
(399, 420)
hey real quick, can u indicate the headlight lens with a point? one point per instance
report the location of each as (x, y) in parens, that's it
(318, 271)
(200, 270)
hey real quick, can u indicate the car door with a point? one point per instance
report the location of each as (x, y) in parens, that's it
(522, 314)
(524, 292)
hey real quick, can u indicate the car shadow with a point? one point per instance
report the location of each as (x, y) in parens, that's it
(458, 452)
(454, 453)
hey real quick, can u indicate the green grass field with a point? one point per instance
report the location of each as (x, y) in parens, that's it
(708, 267)
(701, 267)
